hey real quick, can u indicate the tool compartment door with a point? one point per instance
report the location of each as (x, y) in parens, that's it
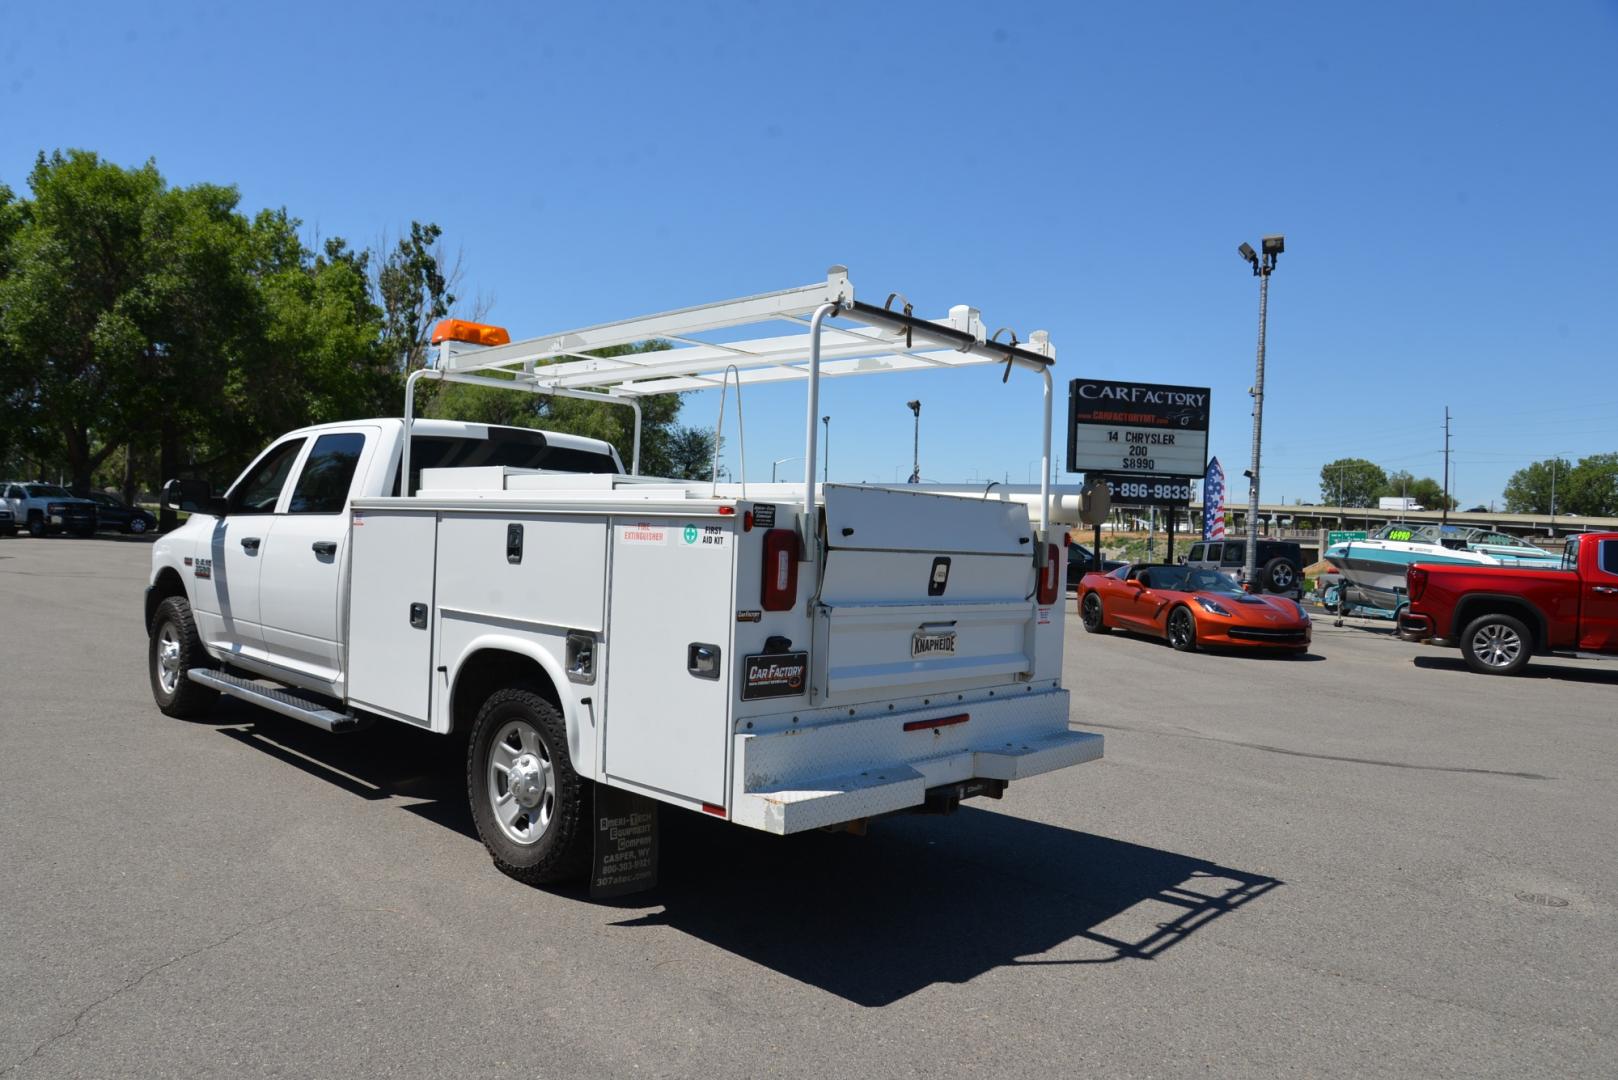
(668, 727)
(921, 590)
(390, 631)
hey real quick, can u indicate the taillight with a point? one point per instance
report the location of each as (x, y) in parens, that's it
(1051, 576)
(1415, 582)
(780, 569)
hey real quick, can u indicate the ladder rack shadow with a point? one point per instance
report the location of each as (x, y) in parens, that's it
(924, 900)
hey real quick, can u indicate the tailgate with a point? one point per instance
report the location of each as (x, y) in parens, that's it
(922, 590)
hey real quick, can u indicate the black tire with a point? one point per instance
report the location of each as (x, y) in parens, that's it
(1182, 630)
(172, 625)
(1497, 645)
(560, 849)
(36, 526)
(1092, 615)
(1279, 575)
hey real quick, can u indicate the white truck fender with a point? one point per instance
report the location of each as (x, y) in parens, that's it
(581, 743)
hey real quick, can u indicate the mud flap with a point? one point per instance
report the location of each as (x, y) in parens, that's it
(625, 843)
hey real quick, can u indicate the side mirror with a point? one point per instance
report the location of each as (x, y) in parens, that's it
(195, 496)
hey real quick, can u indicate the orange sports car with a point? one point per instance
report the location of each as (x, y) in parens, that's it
(1189, 607)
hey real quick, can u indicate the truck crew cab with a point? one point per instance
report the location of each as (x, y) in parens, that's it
(783, 656)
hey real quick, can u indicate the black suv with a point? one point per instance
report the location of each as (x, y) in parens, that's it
(1080, 561)
(1279, 565)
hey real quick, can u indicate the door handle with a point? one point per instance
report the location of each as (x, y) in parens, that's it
(249, 543)
(324, 547)
(1606, 590)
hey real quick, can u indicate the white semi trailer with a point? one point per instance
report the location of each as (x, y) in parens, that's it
(785, 656)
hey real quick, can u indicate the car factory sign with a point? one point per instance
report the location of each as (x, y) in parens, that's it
(1145, 428)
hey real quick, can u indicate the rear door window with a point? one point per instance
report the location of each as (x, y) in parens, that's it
(1213, 553)
(327, 475)
(1196, 553)
(1608, 557)
(1235, 554)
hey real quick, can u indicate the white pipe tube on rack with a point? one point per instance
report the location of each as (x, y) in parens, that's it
(810, 515)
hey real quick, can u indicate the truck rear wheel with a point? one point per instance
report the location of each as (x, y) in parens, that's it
(1496, 645)
(173, 650)
(527, 801)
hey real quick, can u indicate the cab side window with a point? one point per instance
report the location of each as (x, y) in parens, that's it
(323, 484)
(259, 490)
(1608, 560)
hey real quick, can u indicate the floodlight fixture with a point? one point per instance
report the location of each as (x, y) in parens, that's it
(1274, 245)
(1248, 253)
(915, 406)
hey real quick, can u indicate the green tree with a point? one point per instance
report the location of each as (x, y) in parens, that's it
(1430, 493)
(1592, 487)
(77, 307)
(414, 289)
(1351, 482)
(1529, 489)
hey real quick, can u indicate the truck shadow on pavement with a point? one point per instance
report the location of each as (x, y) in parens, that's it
(872, 919)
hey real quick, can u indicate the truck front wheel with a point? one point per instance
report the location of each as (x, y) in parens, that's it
(173, 650)
(527, 802)
(1496, 645)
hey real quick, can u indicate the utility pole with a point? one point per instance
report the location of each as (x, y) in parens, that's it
(1273, 247)
(1444, 517)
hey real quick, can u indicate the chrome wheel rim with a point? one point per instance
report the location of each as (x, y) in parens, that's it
(168, 658)
(1179, 627)
(138, 525)
(1092, 611)
(1283, 576)
(1497, 645)
(522, 783)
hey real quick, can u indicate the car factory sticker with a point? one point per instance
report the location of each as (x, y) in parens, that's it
(768, 675)
(643, 533)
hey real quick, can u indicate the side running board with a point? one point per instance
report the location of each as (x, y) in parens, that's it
(302, 705)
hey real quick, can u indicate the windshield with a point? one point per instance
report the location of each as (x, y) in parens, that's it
(1187, 579)
(48, 491)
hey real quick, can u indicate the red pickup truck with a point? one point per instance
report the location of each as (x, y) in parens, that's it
(1499, 616)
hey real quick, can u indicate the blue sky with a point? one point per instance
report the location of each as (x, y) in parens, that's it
(1444, 174)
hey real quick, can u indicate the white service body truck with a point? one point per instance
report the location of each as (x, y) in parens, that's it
(708, 645)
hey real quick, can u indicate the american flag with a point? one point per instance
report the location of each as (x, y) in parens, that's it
(1213, 502)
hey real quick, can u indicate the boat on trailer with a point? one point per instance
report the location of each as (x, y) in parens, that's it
(1373, 569)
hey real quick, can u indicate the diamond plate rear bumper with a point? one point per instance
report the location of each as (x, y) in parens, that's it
(825, 774)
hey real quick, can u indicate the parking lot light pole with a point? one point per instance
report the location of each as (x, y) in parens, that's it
(1262, 267)
(777, 463)
(915, 469)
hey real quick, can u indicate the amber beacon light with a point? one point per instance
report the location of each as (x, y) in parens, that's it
(470, 332)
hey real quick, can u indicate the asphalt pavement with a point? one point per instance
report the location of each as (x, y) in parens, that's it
(1364, 862)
